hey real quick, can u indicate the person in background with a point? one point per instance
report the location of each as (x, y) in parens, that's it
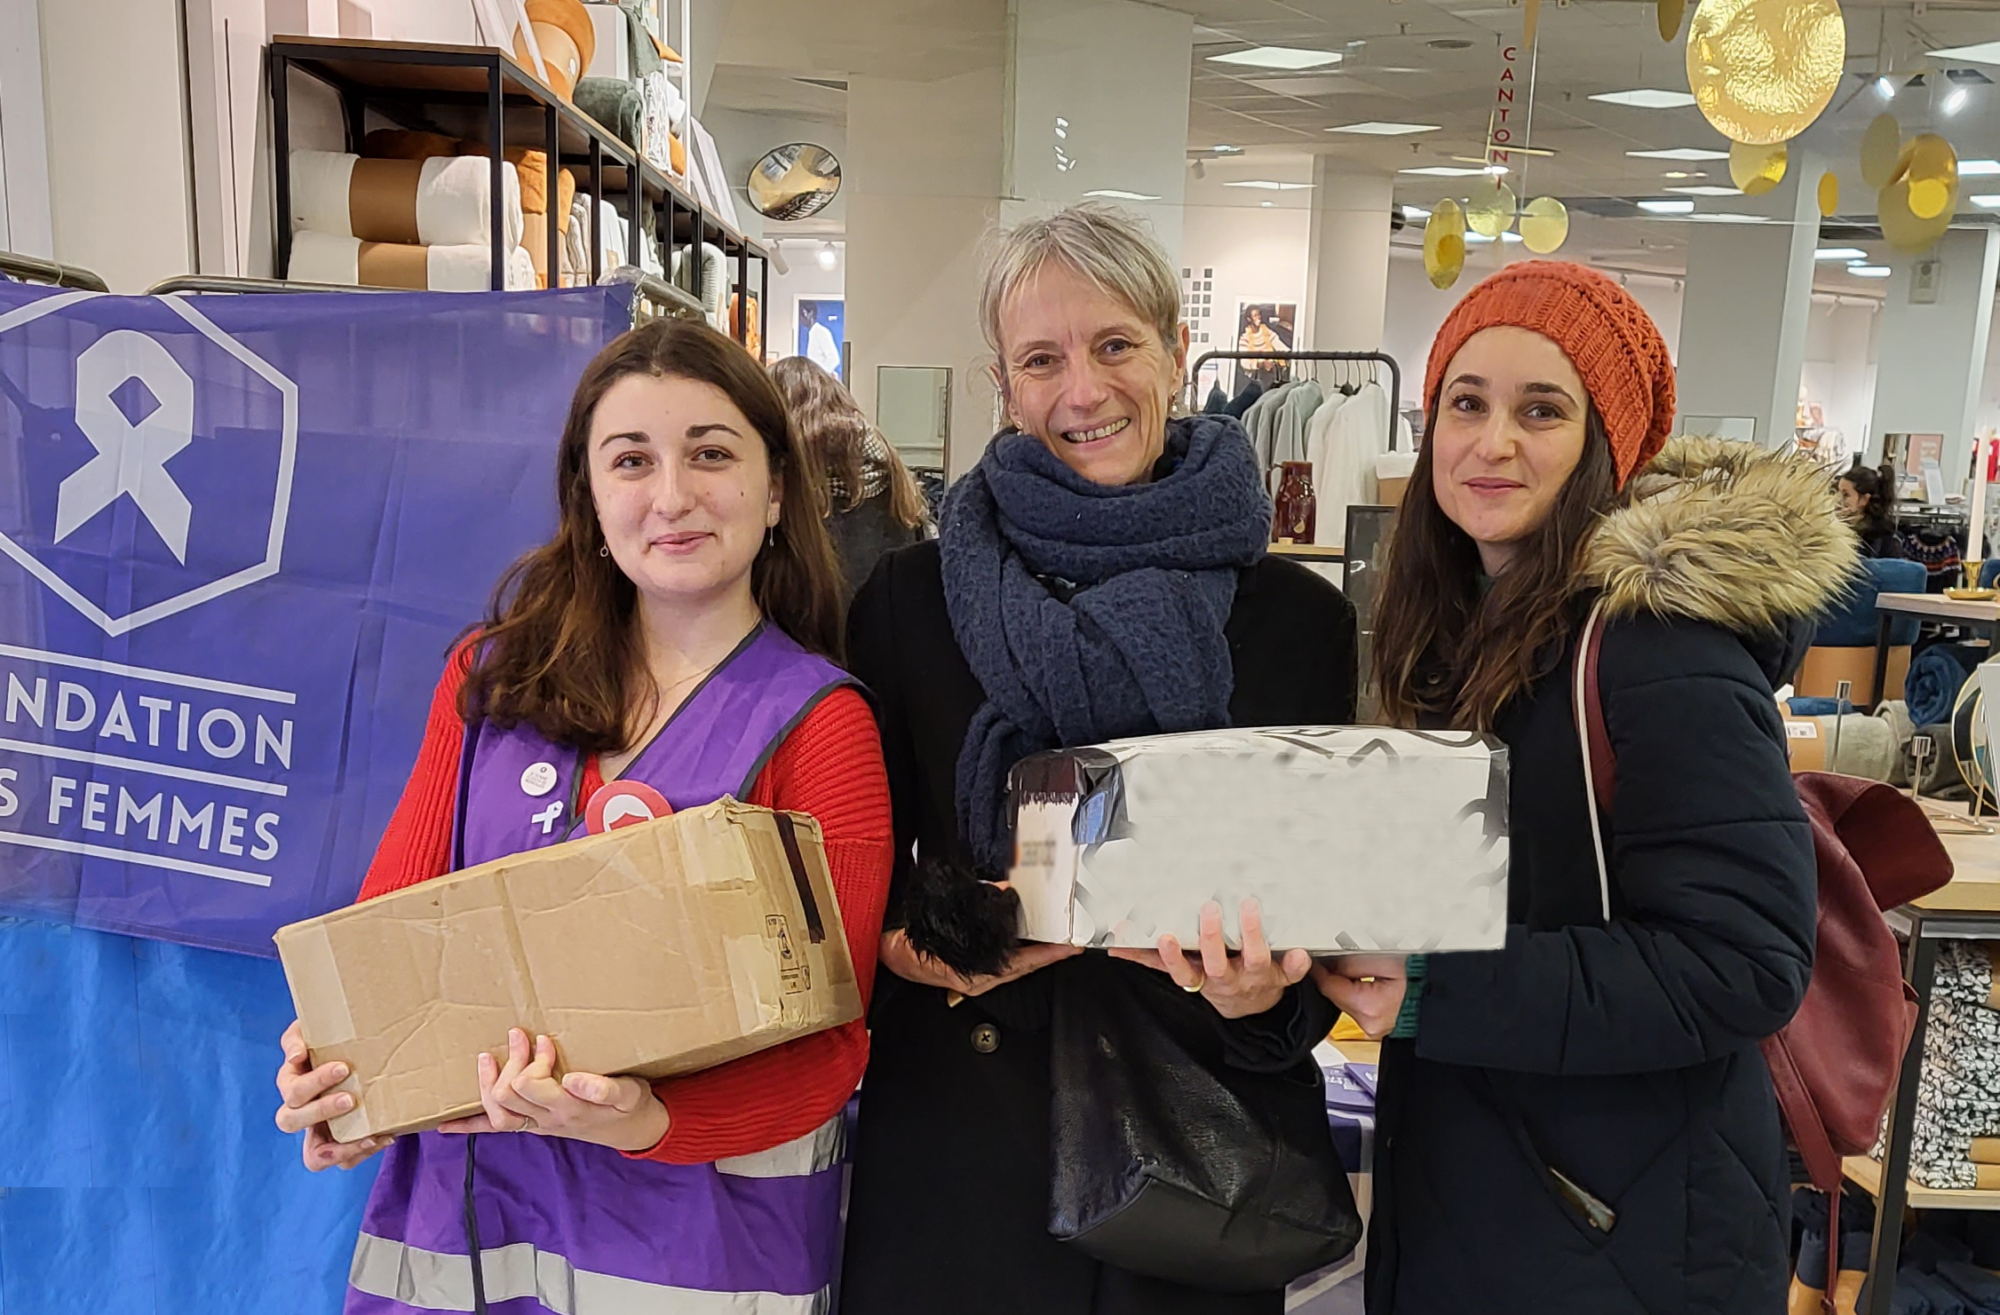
(1582, 1121)
(677, 630)
(870, 500)
(1868, 503)
(1101, 573)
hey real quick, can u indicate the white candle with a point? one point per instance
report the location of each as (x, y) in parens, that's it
(1976, 531)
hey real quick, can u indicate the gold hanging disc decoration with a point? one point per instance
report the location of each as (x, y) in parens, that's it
(1829, 194)
(1669, 12)
(1881, 146)
(1544, 225)
(1757, 169)
(1903, 227)
(1444, 244)
(1489, 211)
(1762, 70)
(1931, 166)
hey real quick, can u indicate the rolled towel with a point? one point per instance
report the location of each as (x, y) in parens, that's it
(1931, 688)
(350, 262)
(433, 202)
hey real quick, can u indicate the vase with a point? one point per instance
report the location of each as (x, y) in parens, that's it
(1297, 504)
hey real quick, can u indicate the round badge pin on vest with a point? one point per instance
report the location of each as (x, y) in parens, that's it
(623, 803)
(537, 779)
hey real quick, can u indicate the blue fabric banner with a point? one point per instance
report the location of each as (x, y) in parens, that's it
(239, 534)
(140, 1172)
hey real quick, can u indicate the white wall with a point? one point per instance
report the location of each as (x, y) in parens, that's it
(1839, 371)
(804, 279)
(117, 140)
(917, 220)
(24, 155)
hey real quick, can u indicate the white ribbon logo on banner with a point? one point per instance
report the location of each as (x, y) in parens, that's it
(132, 457)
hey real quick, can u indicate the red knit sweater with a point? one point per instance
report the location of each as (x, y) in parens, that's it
(831, 767)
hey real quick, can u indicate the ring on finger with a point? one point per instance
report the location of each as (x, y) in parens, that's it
(1196, 989)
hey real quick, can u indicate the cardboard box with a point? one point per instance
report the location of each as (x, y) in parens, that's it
(1350, 838)
(654, 949)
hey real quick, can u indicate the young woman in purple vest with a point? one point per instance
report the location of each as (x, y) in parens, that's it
(677, 631)
(1102, 572)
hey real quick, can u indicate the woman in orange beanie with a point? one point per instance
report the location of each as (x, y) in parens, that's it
(1582, 1121)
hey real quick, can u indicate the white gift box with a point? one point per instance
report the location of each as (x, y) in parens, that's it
(1350, 838)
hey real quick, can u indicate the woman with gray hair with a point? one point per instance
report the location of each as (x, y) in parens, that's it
(1101, 573)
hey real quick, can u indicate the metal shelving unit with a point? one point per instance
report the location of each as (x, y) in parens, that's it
(479, 93)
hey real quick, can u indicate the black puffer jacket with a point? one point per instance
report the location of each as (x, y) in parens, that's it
(1622, 1056)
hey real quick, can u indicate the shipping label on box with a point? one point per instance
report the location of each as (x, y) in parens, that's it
(654, 949)
(1350, 838)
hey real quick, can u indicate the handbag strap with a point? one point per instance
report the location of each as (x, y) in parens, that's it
(1599, 763)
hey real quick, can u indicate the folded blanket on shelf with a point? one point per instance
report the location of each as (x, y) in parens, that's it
(619, 106)
(533, 170)
(433, 202)
(1958, 1099)
(403, 144)
(350, 262)
(662, 111)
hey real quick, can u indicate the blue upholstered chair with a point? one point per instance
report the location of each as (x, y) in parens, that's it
(1844, 644)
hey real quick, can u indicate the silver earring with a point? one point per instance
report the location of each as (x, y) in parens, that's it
(604, 550)
(770, 536)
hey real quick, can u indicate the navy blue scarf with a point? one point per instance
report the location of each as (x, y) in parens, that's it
(1090, 612)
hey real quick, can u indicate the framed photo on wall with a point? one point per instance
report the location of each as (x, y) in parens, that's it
(821, 331)
(1264, 326)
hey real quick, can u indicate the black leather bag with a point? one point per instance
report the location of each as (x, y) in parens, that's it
(1169, 1164)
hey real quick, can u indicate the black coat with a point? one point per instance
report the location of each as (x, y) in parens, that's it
(861, 534)
(1624, 1058)
(948, 1212)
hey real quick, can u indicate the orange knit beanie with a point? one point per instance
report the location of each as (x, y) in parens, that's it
(1607, 336)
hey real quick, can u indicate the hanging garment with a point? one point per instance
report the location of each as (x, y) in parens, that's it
(565, 1225)
(1342, 447)
(1261, 421)
(1245, 398)
(1218, 401)
(1288, 434)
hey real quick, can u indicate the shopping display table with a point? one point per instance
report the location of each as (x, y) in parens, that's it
(1929, 607)
(1966, 910)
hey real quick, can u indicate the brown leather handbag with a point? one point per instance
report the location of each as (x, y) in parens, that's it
(1834, 1065)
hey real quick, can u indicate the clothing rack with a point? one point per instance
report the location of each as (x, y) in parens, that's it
(1357, 358)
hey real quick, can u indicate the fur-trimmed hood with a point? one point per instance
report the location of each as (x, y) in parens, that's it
(1728, 533)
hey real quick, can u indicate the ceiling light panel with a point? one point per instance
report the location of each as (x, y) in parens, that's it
(1278, 57)
(1443, 171)
(1667, 207)
(1270, 185)
(1979, 168)
(1840, 253)
(1114, 194)
(1679, 153)
(1704, 189)
(1386, 129)
(1990, 201)
(1869, 271)
(1984, 53)
(1646, 99)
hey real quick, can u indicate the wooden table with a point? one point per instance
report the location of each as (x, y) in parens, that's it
(1928, 607)
(1968, 909)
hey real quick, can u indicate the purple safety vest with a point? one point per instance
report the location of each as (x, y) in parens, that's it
(566, 1227)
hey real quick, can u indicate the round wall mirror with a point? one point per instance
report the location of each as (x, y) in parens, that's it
(794, 182)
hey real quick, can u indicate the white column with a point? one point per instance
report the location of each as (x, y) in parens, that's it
(1749, 293)
(922, 183)
(24, 154)
(1347, 258)
(1931, 361)
(1098, 101)
(117, 140)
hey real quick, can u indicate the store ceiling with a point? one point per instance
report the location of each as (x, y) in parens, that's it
(1431, 62)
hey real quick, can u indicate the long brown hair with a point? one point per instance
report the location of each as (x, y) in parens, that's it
(560, 649)
(1442, 649)
(832, 426)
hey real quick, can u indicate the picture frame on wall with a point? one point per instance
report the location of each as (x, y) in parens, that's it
(1264, 324)
(820, 332)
